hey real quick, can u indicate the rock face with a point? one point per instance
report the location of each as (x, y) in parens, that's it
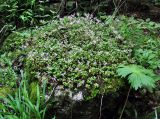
(73, 106)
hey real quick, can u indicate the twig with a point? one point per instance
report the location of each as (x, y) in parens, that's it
(125, 103)
(117, 7)
(51, 94)
(100, 112)
(156, 107)
(2, 33)
(156, 115)
(2, 29)
(135, 113)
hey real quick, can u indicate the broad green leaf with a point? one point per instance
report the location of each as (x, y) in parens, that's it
(137, 76)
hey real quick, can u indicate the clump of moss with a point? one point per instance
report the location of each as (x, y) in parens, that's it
(8, 77)
(80, 53)
(4, 91)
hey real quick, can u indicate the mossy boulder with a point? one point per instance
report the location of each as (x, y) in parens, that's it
(81, 53)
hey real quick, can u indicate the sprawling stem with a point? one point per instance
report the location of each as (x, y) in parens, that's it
(125, 103)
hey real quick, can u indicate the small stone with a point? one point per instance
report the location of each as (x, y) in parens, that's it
(78, 96)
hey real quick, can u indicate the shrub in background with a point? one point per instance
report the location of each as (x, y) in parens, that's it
(22, 12)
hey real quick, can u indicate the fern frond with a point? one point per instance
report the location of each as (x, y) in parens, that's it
(138, 76)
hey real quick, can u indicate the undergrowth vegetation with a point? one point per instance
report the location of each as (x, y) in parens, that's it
(54, 54)
(22, 12)
(84, 53)
(20, 105)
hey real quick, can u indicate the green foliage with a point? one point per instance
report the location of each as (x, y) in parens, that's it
(20, 105)
(82, 53)
(5, 90)
(156, 2)
(137, 76)
(29, 12)
(148, 58)
(22, 12)
(8, 77)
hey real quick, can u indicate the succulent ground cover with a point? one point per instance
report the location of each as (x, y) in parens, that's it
(80, 53)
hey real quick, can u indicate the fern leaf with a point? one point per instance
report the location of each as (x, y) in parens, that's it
(137, 76)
